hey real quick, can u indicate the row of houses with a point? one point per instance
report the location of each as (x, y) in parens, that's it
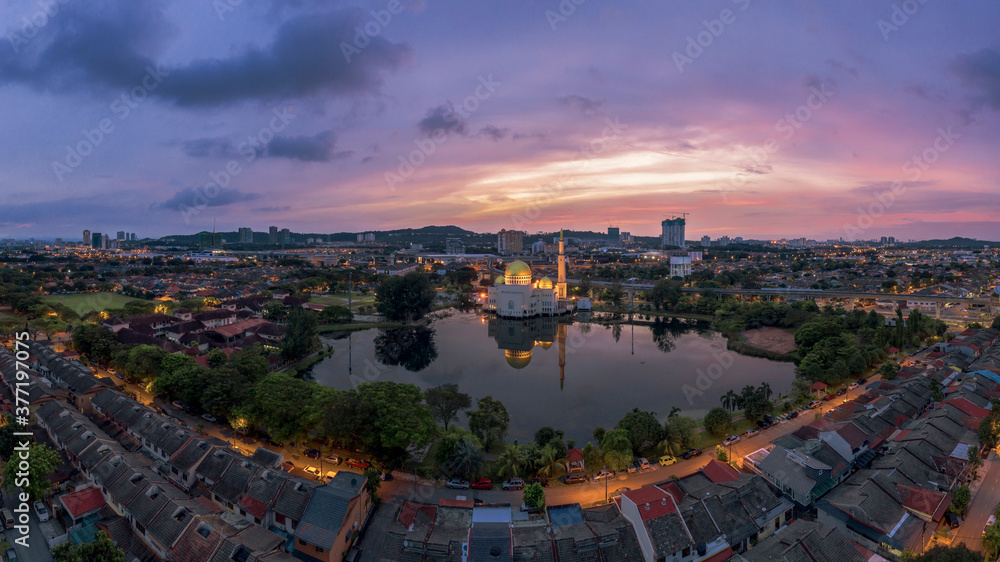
(185, 496)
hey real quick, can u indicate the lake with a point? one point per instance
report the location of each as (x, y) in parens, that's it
(566, 373)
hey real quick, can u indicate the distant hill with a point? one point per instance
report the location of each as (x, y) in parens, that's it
(957, 243)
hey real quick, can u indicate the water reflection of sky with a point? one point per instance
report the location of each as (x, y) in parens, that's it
(604, 378)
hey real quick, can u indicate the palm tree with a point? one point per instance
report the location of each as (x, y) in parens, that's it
(731, 401)
(674, 410)
(671, 443)
(765, 387)
(548, 461)
(466, 460)
(510, 461)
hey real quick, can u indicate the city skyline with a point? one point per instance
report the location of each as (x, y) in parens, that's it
(763, 122)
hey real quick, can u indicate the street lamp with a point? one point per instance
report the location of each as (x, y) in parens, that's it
(605, 485)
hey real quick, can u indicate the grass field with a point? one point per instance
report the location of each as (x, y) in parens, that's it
(341, 299)
(87, 302)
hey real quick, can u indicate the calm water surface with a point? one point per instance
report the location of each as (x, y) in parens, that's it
(568, 374)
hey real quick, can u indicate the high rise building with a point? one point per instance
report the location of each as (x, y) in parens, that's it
(561, 273)
(86, 238)
(706, 241)
(454, 246)
(105, 241)
(133, 237)
(246, 235)
(614, 235)
(120, 235)
(510, 242)
(285, 236)
(272, 232)
(96, 240)
(673, 232)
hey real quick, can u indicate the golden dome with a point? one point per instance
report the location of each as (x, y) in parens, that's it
(517, 268)
(499, 280)
(517, 359)
(545, 283)
(545, 344)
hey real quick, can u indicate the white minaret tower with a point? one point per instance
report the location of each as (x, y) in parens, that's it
(561, 279)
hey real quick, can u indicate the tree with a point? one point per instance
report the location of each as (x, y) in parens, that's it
(991, 542)
(490, 421)
(960, 553)
(888, 370)
(988, 433)
(42, 461)
(287, 406)
(101, 549)
(534, 496)
(300, 337)
(510, 461)
(466, 460)
(549, 460)
(7, 439)
(681, 429)
(642, 427)
(335, 314)
(389, 417)
(445, 401)
(721, 455)
(449, 440)
(406, 298)
(960, 499)
(730, 401)
(598, 434)
(546, 434)
(936, 394)
(718, 421)
(665, 294)
(373, 481)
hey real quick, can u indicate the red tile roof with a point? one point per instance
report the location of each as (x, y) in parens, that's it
(651, 501)
(83, 502)
(967, 407)
(724, 555)
(851, 433)
(819, 385)
(446, 502)
(924, 501)
(720, 472)
(674, 490)
(574, 455)
(408, 514)
(253, 506)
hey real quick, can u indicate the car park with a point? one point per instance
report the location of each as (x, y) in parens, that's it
(667, 460)
(604, 475)
(41, 511)
(482, 484)
(332, 459)
(311, 453)
(457, 484)
(643, 463)
(751, 433)
(539, 480)
(358, 463)
(208, 417)
(732, 440)
(575, 479)
(513, 484)
(691, 453)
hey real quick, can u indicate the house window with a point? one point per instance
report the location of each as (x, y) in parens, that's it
(686, 552)
(279, 518)
(776, 524)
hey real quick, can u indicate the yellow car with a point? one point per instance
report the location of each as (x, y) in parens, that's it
(667, 460)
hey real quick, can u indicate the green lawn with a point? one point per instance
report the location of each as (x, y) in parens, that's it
(341, 299)
(87, 302)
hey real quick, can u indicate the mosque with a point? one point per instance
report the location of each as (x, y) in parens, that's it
(519, 338)
(515, 295)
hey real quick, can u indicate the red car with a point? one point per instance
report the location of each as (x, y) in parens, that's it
(828, 397)
(357, 463)
(482, 484)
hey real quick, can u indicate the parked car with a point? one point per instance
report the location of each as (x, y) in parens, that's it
(990, 521)
(329, 475)
(770, 419)
(852, 386)
(457, 484)
(539, 480)
(8, 518)
(41, 511)
(763, 424)
(814, 404)
(358, 463)
(633, 468)
(732, 440)
(208, 417)
(618, 492)
(528, 508)
(10, 555)
(313, 471)
(842, 392)
(829, 397)
(312, 453)
(667, 460)
(332, 459)
(691, 453)
(575, 479)
(513, 484)
(752, 432)
(643, 463)
(179, 405)
(604, 475)
(862, 381)
(793, 414)
(482, 484)
(953, 520)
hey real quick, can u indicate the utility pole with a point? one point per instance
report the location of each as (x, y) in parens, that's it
(350, 292)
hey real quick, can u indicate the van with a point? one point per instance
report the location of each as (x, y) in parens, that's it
(8, 518)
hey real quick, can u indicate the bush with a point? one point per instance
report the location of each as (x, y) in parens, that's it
(718, 421)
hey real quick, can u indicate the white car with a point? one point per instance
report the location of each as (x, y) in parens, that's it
(732, 440)
(313, 471)
(643, 463)
(852, 386)
(458, 484)
(41, 511)
(990, 521)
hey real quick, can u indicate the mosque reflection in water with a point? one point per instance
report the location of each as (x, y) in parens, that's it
(518, 339)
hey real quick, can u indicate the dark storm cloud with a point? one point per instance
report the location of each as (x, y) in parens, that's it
(113, 45)
(493, 132)
(584, 105)
(443, 118)
(317, 148)
(981, 71)
(192, 198)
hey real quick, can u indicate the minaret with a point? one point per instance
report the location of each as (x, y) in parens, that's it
(561, 279)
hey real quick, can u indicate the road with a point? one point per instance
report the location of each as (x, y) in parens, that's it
(984, 501)
(38, 549)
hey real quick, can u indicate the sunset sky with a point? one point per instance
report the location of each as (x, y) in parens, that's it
(785, 120)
